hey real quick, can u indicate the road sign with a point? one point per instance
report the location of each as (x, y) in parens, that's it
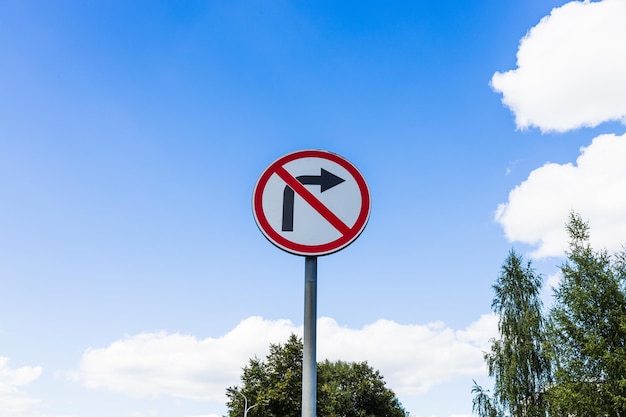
(311, 203)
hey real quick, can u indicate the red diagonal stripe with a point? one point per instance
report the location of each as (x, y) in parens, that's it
(313, 201)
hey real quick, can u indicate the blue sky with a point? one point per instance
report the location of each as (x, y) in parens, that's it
(135, 281)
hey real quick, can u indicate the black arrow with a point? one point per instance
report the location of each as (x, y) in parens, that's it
(326, 180)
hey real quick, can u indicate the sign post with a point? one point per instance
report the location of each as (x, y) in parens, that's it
(309, 351)
(311, 203)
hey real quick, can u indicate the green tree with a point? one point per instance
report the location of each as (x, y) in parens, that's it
(343, 389)
(588, 330)
(518, 361)
(354, 390)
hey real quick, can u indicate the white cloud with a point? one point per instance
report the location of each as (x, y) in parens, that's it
(538, 209)
(208, 415)
(570, 69)
(412, 358)
(14, 402)
(182, 366)
(553, 281)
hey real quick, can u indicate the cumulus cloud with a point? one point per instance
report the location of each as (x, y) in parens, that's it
(570, 69)
(208, 415)
(538, 209)
(412, 358)
(181, 366)
(14, 402)
(554, 280)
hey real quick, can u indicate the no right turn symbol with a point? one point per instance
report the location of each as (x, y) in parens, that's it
(311, 203)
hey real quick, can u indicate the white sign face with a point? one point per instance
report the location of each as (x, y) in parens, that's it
(311, 203)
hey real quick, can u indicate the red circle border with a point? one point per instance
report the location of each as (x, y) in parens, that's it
(311, 250)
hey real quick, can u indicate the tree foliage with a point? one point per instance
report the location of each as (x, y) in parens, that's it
(588, 330)
(517, 361)
(573, 366)
(343, 389)
(354, 390)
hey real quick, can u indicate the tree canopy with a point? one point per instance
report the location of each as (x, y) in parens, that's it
(518, 361)
(343, 389)
(588, 330)
(573, 362)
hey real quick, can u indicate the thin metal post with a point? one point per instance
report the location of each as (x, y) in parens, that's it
(309, 363)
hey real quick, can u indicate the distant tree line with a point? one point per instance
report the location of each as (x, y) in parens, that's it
(569, 361)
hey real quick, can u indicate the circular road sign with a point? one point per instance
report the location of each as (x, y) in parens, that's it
(311, 203)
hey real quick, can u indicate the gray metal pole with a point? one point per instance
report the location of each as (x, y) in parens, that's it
(309, 369)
